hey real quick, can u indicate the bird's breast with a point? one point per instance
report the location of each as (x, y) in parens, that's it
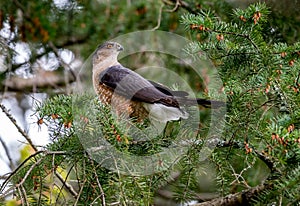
(120, 104)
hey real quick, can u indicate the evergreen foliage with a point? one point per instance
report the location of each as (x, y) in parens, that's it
(261, 80)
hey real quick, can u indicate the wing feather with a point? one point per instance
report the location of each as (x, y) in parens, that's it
(168, 91)
(133, 86)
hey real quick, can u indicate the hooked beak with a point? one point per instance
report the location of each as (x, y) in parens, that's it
(120, 48)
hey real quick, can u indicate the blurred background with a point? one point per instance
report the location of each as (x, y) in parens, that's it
(43, 45)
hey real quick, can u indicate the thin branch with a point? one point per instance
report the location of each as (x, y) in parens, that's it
(21, 195)
(24, 162)
(177, 4)
(67, 185)
(80, 191)
(240, 175)
(29, 171)
(32, 58)
(270, 164)
(102, 195)
(23, 133)
(159, 18)
(61, 188)
(183, 4)
(17, 169)
(67, 43)
(3, 177)
(51, 185)
(65, 65)
(80, 185)
(11, 163)
(240, 198)
(25, 196)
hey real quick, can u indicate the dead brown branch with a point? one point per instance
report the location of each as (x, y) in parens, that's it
(240, 198)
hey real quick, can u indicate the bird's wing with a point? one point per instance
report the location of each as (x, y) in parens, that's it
(168, 91)
(133, 86)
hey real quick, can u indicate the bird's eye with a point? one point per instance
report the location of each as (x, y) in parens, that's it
(109, 46)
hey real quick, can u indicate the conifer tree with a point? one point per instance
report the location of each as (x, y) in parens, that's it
(257, 158)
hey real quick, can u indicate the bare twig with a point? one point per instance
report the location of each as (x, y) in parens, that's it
(16, 170)
(183, 4)
(80, 185)
(29, 171)
(159, 17)
(65, 65)
(240, 198)
(102, 195)
(21, 195)
(24, 134)
(67, 185)
(11, 163)
(7, 179)
(52, 182)
(240, 175)
(80, 191)
(25, 195)
(177, 4)
(61, 188)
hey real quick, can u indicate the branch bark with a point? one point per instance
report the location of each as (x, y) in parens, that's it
(23, 133)
(41, 80)
(242, 198)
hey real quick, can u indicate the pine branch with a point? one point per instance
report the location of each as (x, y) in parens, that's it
(241, 198)
(14, 172)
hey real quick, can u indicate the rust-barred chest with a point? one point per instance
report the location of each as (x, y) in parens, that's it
(120, 105)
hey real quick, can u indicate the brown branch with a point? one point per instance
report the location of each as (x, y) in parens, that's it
(32, 58)
(159, 18)
(66, 66)
(236, 144)
(183, 4)
(241, 198)
(80, 192)
(63, 181)
(270, 164)
(7, 179)
(23, 133)
(69, 42)
(65, 184)
(41, 80)
(102, 195)
(16, 170)
(11, 163)
(177, 4)
(28, 172)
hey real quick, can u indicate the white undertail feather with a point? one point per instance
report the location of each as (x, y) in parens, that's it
(163, 113)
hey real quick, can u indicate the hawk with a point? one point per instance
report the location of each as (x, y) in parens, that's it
(134, 96)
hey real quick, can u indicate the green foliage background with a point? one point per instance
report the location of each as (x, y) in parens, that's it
(256, 52)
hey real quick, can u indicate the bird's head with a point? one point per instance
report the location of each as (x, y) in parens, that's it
(107, 51)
